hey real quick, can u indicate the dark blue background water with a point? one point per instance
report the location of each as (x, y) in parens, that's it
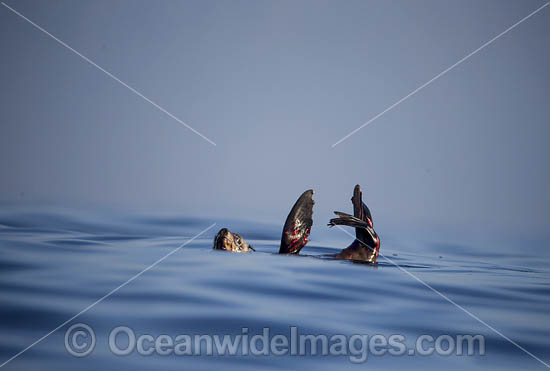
(54, 264)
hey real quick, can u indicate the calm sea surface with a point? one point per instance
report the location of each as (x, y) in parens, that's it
(54, 265)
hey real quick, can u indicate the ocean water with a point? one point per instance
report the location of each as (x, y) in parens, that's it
(57, 264)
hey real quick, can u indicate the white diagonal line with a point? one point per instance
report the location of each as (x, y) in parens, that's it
(442, 73)
(451, 301)
(110, 75)
(108, 294)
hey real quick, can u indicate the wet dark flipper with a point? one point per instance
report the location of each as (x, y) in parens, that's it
(367, 243)
(365, 234)
(348, 220)
(360, 210)
(298, 225)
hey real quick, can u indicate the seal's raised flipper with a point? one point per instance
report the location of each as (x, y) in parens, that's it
(346, 219)
(366, 245)
(363, 229)
(360, 210)
(298, 225)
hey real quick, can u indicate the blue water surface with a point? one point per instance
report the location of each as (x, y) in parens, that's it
(55, 264)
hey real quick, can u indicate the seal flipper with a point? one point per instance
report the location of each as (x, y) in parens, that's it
(360, 210)
(298, 225)
(348, 220)
(363, 230)
(366, 245)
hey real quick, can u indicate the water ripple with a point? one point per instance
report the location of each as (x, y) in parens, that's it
(54, 264)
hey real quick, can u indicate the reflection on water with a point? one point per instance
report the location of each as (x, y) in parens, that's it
(53, 265)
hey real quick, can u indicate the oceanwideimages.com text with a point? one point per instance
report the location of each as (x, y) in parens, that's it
(80, 341)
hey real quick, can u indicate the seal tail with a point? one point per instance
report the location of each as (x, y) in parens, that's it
(298, 224)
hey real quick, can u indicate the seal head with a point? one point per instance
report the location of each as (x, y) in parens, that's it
(228, 241)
